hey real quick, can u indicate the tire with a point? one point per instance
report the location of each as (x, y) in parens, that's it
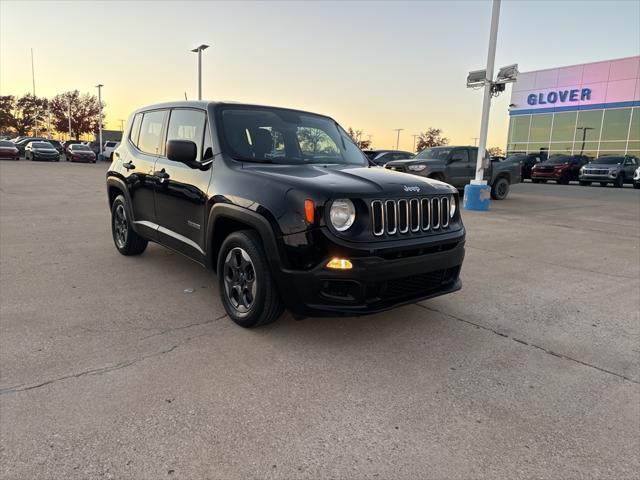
(500, 188)
(126, 240)
(535, 180)
(564, 180)
(584, 183)
(247, 290)
(619, 182)
(636, 185)
(603, 184)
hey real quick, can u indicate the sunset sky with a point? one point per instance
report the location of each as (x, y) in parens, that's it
(374, 66)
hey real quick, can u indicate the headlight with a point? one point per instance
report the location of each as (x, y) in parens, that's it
(417, 168)
(452, 206)
(342, 214)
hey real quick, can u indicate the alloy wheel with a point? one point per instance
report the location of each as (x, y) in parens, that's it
(121, 226)
(240, 282)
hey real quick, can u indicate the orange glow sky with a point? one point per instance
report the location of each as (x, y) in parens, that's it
(374, 66)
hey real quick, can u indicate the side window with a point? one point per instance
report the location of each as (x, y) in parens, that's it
(461, 156)
(150, 132)
(135, 129)
(185, 124)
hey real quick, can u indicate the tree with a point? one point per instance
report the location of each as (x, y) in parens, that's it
(495, 152)
(431, 138)
(24, 114)
(356, 136)
(85, 113)
(7, 105)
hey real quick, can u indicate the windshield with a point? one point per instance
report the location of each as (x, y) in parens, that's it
(273, 135)
(41, 145)
(558, 159)
(609, 160)
(436, 153)
(78, 146)
(6, 143)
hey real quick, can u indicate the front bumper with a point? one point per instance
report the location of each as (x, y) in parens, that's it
(546, 175)
(379, 281)
(598, 178)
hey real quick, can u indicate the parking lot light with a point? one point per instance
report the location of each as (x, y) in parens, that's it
(199, 50)
(99, 87)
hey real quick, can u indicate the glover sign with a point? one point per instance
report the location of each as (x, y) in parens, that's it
(559, 96)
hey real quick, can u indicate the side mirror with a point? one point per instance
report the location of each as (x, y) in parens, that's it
(182, 151)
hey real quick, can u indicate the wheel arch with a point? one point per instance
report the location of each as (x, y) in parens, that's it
(115, 187)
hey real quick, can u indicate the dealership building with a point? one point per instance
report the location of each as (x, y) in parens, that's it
(591, 109)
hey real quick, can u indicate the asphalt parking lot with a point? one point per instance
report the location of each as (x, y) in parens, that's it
(110, 368)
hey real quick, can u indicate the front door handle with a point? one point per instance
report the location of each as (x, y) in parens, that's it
(162, 175)
(129, 166)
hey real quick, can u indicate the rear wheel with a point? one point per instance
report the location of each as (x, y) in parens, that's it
(246, 287)
(500, 188)
(126, 240)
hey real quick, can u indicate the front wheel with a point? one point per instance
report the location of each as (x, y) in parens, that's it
(500, 189)
(636, 185)
(127, 241)
(603, 184)
(247, 290)
(619, 181)
(584, 183)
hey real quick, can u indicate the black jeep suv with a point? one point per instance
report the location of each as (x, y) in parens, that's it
(285, 208)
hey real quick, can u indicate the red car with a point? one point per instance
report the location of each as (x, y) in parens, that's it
(560, 168)
(9, 150)
(80, 153)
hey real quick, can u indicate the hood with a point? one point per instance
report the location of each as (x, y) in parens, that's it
(334, 181)
(603, 166)
(45, 150)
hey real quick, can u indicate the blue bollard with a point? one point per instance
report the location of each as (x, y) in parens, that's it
(476, 196)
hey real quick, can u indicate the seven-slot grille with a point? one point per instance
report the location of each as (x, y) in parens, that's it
(596, 171)
(391, 217)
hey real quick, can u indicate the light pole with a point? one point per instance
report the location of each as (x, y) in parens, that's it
(475, 141)
(99, 87)
(414, 141)
(398, 137)
(121, 124)
(69, 118)
(584, 136)
(199, 50)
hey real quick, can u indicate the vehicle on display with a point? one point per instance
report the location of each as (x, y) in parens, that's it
(526, 161)
(560, 168)
(109, 147)
(78, 152)
(636, 178)
(42, 151)
(285, 208)
(22, 143)
(457, 166)
(380, 157)
(616, 169)
(68, 144)
(57, 145)
(9, 150)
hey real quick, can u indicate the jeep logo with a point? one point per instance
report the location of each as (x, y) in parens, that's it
(411, 189)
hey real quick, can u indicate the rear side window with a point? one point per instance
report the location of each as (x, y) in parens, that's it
(185, 124)
(135, 129)
(151, 131)
(460, 155)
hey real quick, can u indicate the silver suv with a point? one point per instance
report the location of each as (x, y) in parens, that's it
(616, 169)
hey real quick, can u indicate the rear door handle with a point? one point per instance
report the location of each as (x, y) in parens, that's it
(129, 166)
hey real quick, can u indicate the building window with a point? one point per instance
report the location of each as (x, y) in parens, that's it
(540, 130)
(520, 128)
(615, 125)
(564, 126)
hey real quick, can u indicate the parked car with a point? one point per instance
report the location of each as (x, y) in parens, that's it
(9, 150)
(616, 169)
(43, 151)
(636, 178)
(78, 152)
(57, 145)
(380, 157)
(526, 161)
(68, 143)
(22, 143)
(560, 168)
(457, 166)
(109, 147)
(284, 220)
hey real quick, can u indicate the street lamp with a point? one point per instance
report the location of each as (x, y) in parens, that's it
(199, 50)
(584, 136)
(99, 87)
(477, 193)
(398, 137)
(414, 141)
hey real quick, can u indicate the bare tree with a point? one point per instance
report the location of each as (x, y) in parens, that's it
(356, 136)
(495, 152)
(431, 138)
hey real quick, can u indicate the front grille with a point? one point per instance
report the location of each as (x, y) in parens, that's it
(595, 171)
(414, 215)
(412, 286)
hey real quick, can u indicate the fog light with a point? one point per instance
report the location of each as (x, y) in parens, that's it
(340, 264)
